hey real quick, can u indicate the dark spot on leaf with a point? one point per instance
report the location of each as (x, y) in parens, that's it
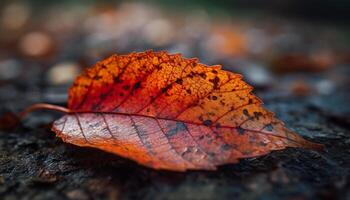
(179, 81)
(137, 85)
(214, 97)
(226, 147)
(240, 130)
(201, 137)
(126, 87)
(117, 80)
(257, 115)
(269, 127)
(102, 96)
(143, 136)
(211, 154)
(97, 77)
(189, 91)
(166, 88)
(200, 118)
(178, 127)
(203, 75)
(218, 125)
(214, 71)
(121, 94)
(245, 112)
(95, 106)
(222, 102)
(163, 90)
(207, 122)
(215, 81)
(252, 138)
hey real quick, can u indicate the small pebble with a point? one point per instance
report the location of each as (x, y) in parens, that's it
(159, 32)
(9, 69)
(258, 75)
(279, 176)
(77, 195)
(45, 176)
(63, 73)
(36, 44)
(226, 40)
(15, 15)
(325, 87)
(301, 88)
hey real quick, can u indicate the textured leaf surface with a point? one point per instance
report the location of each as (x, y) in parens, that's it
(168, 112)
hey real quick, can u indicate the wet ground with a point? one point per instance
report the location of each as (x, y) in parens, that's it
(37, 165)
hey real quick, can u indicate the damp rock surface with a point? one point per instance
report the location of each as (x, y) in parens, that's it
(35, 164)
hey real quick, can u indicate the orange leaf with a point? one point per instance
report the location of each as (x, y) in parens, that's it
(167, 112)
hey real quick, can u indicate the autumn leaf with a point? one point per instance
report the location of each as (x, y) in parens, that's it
(168, 112)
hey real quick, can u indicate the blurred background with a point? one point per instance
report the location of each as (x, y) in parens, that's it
(296, 54)
(44, 45)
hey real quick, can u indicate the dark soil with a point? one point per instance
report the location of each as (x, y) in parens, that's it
(34, 164)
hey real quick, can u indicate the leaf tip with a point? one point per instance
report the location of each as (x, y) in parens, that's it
(303, 143)
(314, 146)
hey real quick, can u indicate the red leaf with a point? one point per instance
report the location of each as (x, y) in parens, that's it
(167, 112)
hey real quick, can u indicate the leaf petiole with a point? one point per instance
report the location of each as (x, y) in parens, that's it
(43, 106)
